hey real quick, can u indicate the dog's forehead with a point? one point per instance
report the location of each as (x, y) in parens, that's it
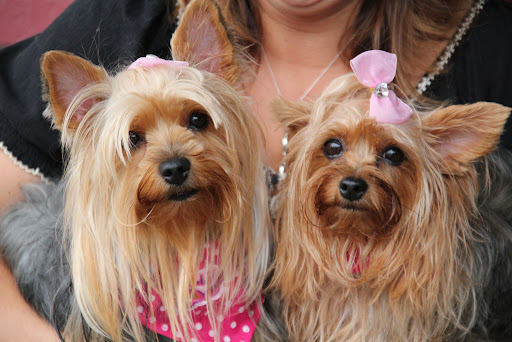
(178, 107)
(181, 88)
(351, 123)
(356, 112)
(349, 112)
(151, 111)
(343, 116)
(157, 80)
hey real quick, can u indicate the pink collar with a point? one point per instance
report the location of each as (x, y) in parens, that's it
(237, 326)
(357, 268)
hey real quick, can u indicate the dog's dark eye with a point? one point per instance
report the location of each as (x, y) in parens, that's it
(198, 121)
(135, 139)
(393, 156)
(333, 148)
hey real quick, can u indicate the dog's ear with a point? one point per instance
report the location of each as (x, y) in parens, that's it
(293, 115)
(461, 134)
(64, 75)
(203, 40)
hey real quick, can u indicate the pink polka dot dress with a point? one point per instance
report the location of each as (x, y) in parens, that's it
(237, 326)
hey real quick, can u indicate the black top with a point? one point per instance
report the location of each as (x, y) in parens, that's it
(481, 67)
(117, 32)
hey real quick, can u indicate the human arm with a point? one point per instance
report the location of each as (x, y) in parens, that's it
(12, 178)
(18, 321)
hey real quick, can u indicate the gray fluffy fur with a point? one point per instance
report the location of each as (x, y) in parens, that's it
(492, 250)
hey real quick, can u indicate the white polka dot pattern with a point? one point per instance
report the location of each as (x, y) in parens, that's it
(235, 323)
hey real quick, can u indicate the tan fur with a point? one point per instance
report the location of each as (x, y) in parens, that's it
(293, 115)
(126, 234)
(396, 265)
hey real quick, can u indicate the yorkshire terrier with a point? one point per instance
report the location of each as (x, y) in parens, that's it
(384, 232)
(160, 225)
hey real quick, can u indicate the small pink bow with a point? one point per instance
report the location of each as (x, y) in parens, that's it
(376, 69)
(151, 60)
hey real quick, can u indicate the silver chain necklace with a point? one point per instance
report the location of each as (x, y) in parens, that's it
(448, 51)
(284, 141)
(308, 90)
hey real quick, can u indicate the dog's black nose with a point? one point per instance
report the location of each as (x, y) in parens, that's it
(353, 188)
(175, 171)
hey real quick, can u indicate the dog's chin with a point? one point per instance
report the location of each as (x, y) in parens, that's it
(342, 211)
(341, 214)
(183, 195)
(169, 202)
(349, 218)
(351, 207)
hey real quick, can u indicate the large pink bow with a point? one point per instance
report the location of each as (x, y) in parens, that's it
(151, 60)
(376, 69)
